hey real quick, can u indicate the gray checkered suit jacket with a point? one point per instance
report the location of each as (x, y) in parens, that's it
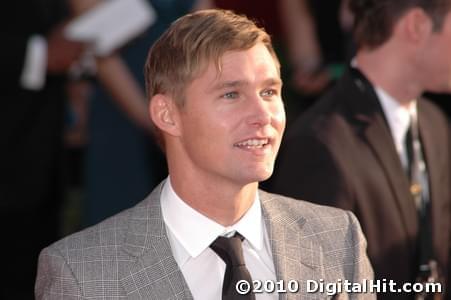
(128, 256)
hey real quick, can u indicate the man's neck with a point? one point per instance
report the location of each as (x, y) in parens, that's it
(392, 73)
(223, 203)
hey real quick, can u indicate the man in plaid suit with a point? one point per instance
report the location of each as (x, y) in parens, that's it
(214, 86)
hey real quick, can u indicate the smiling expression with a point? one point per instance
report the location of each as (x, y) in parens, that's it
(232, 120)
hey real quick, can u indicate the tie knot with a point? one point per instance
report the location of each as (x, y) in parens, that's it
(229, 249)
(231, 252)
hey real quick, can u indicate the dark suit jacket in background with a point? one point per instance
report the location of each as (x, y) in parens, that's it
(341, 153)
(129, 255)
(30, 142)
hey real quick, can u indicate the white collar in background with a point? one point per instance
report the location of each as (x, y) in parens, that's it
(398, 117)
(195, 232)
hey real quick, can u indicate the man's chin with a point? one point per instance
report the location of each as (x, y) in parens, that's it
(264, 175)
(254, 174)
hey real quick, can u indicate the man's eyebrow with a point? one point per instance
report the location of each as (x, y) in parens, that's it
(229, 84)
(238, 83)
(273, 81)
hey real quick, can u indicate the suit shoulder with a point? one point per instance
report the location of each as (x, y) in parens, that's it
(326, 108)
(108, 233)
(309, 211)
(436, 124)
(432, 112)
(327, 119)
(318, 224)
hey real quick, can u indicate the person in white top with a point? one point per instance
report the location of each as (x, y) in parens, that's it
(214, 89)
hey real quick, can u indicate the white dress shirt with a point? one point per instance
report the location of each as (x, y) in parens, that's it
(398, 118)
(191, 233)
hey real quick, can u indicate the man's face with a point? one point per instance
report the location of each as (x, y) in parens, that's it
(232, 121)
(437, 59)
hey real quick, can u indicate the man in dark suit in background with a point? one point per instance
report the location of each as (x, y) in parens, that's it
(354, 148)
(34, 56)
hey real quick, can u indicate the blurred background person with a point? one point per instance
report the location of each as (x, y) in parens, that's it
(36, 57)
(122, 163)
(329, 48)
(374, 146)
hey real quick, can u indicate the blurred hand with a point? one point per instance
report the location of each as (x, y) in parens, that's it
(61, 51)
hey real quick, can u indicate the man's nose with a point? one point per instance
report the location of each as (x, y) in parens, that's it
(259, 111)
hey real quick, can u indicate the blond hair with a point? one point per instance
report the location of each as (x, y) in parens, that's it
(193, 41)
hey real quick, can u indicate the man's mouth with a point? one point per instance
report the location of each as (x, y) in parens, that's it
(254, 143)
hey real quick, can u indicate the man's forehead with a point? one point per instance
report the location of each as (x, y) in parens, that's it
(237, 80)
(228, 65)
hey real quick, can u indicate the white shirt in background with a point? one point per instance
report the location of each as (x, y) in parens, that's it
(398, 118)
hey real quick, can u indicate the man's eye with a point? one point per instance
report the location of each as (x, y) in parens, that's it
(269, 93)
(230, 95)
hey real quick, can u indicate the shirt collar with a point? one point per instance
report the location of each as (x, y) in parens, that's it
(194, 232)
(398, 116)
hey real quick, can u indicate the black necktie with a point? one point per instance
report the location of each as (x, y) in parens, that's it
(419, 189)
(416, 165)
(231, 252)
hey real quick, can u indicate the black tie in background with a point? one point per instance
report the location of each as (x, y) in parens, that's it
(417, 172)
(418, 188)
(231, 252)
(416, 165)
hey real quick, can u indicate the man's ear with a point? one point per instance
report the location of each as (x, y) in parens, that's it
(165, 114)
(417, 25)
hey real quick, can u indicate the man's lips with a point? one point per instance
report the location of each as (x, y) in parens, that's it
(253, 143)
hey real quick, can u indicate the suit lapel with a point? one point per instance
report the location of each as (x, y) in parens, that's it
(155, 273)
(383, 148)
(295, 256)
(370, 122)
